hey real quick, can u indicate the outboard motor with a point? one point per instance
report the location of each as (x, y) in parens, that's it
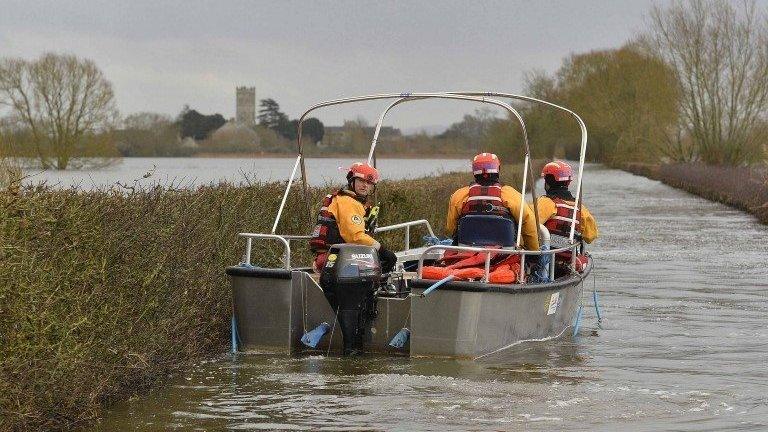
(349, 280)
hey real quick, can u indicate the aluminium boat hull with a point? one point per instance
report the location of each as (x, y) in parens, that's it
(273, 308)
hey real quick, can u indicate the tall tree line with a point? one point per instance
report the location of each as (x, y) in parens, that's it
(694, 87)
(271, 117)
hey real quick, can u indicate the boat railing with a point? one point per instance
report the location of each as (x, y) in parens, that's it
(407, 227)
(486, 274)
(284, 239)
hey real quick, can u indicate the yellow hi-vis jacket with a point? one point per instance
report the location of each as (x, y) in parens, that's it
(512, 200)
(587, 222)
(350, 218)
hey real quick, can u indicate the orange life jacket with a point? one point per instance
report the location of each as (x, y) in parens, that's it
(560, 223)
(485, 200)
(471, 266)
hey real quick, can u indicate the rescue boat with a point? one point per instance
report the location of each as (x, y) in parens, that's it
(417, 309)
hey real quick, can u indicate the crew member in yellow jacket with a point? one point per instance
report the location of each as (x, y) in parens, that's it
(557, 206)
(487, 196)
(344, 215)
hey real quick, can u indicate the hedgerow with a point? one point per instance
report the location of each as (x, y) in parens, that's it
(106, 293)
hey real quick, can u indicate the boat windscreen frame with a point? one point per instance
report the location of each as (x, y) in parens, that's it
(416, 96)
(403, 97)
(526, 148)
(582, 151)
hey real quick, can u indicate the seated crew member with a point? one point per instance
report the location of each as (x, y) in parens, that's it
(556, 214)
(342, 218)
(557, 206)
(487, 196)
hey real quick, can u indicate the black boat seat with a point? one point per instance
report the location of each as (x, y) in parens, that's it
(486, 230)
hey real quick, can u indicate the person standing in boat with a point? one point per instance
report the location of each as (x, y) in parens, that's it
(487, 196)
(556, 210)
(343, 216)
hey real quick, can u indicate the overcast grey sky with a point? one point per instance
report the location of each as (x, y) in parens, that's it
(160, 55)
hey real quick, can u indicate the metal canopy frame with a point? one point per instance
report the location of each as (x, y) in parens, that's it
(508, 107)
(582, 127)
(476, 96)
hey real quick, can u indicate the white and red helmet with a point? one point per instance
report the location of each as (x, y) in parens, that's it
(559, 170)
(485, 163)
(363, 171)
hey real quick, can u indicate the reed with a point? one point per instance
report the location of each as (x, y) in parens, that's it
(107, 293)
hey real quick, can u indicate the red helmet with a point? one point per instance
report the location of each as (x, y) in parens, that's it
(363, 171)
(559, 170)
(485, 163)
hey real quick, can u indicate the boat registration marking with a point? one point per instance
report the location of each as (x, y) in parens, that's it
(554, 301)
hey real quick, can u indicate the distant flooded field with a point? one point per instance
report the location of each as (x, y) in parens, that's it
(187, 172)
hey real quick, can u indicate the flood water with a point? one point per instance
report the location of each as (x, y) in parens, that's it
(683, 346)
(190, 172)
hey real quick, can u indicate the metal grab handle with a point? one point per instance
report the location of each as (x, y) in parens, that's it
(284, 239)
(407, 226)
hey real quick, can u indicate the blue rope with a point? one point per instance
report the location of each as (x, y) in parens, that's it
(597, 305)
(577, 321)
(437, 284)
(597, 308)
(234, 334)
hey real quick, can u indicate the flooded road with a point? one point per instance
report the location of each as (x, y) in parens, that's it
(683, 286)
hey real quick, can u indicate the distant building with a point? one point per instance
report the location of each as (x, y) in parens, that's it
(350, 135)
(245, 109)
(386, 131)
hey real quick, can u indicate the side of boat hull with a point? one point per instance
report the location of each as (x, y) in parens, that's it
(475, 324)
(274, 308)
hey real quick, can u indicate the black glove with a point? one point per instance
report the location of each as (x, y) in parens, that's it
(388, 259)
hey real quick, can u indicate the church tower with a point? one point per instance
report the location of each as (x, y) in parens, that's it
(245, 109)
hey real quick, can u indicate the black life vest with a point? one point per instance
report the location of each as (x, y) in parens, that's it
(485, 200)
(326, 232)
(560, 223)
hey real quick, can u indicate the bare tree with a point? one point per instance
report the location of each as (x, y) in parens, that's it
(63, 100)
(10, 172)
(150, 134)
(720, 56)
